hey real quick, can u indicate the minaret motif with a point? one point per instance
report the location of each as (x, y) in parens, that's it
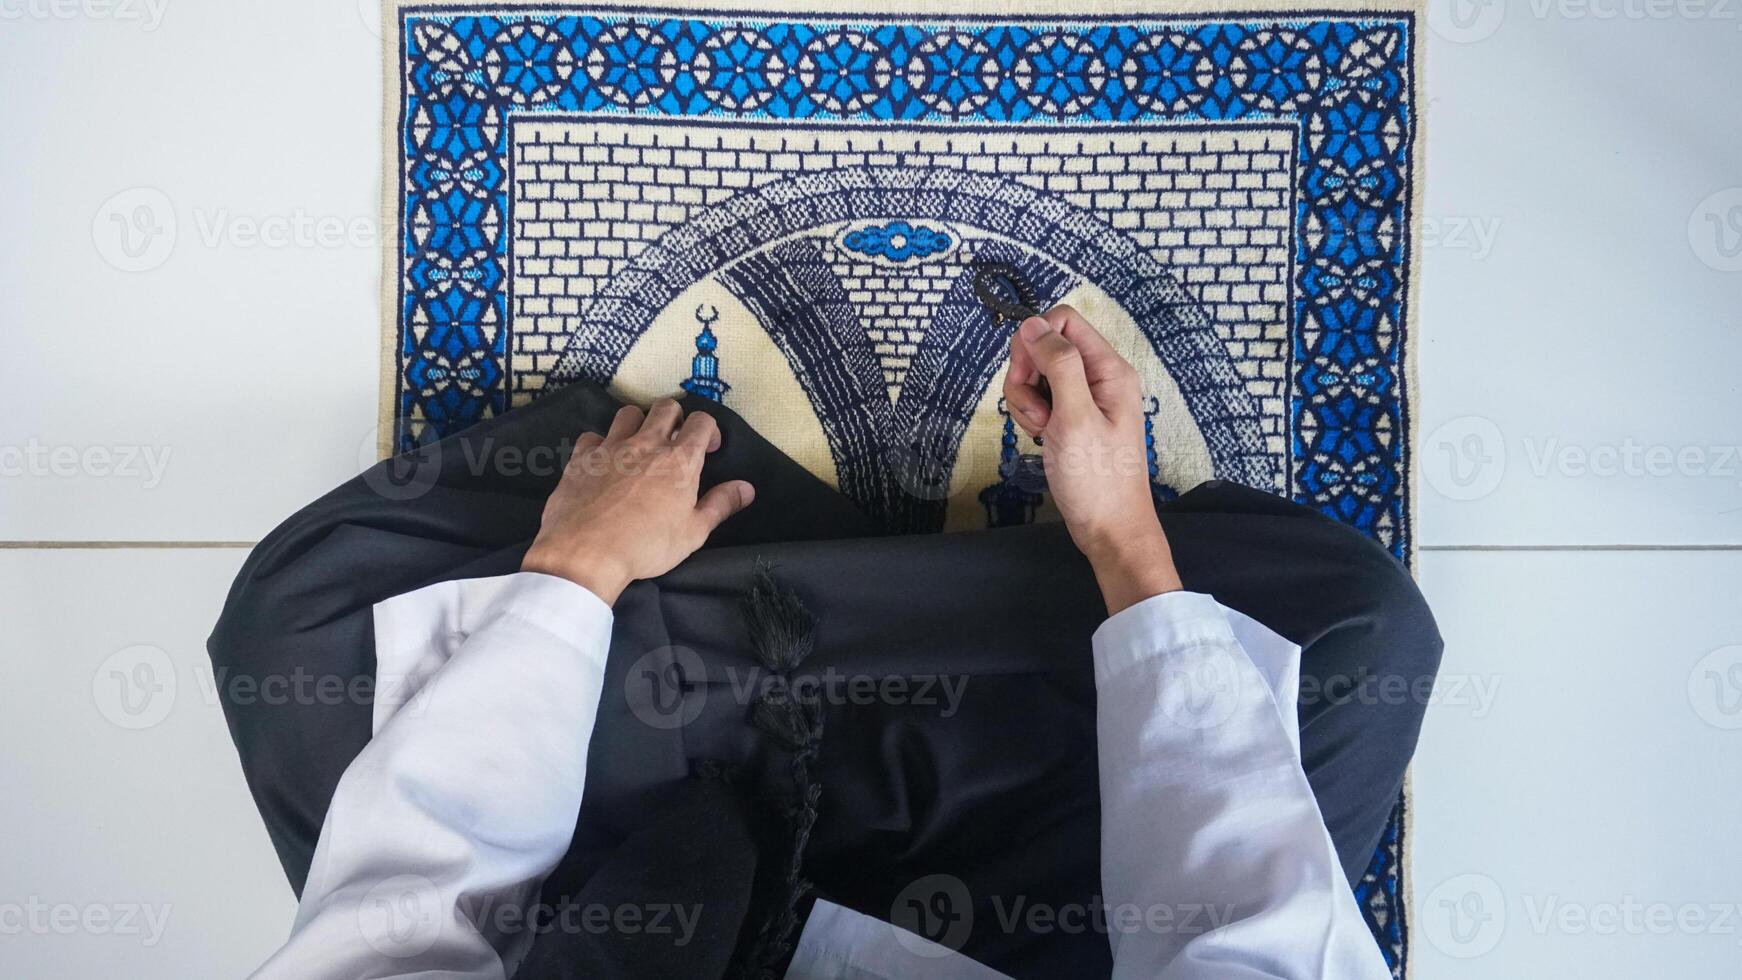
(704, 379)
(1157, 489)
(1013, 500)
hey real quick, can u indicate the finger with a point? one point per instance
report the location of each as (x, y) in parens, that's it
(1101, 360)
(580, 461)
(1022, 369)
(1079, 331)
(1014, 371)
(662, 418)
(723, 501)
(588, 442)
(624, 424)
(1029, 408)
(699, 433)
(1061, 364)
(1028, 405)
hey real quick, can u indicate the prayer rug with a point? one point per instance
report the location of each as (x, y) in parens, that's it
(783, 208)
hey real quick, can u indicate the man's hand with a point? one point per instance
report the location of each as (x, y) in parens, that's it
(1092, 439)
(627, 506)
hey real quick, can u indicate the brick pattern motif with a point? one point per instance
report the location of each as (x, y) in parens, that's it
(895, 304)
(1212, 203)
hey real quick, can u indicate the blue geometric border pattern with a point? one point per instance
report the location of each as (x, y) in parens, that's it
(1346, 80)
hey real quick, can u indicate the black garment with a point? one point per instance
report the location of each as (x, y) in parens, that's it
(1002, 794)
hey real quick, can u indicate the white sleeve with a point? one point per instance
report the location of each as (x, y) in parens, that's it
(443, 828)
(1215, 860)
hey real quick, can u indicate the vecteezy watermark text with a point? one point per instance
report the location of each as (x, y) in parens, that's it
(1468, 915)
(1476, 692)
(137, 687)
(1467, 459)
(833, 687)
(35, 917)
(1471, 21)
(668, 687)
(137, 230)
(404, 915)
(147, 13)
(936, 913)
(1459, 233)
(37, 460)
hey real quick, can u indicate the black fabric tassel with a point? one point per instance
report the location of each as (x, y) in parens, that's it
(782, 636)
(795, 724)
(781, 627)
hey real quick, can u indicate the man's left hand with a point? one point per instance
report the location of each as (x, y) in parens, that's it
(629, 504)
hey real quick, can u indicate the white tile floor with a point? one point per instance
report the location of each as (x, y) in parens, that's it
(1581, 323)
(125, 801)
(1576, 788)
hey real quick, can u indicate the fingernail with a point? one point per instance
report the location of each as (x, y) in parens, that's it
(1035, 328)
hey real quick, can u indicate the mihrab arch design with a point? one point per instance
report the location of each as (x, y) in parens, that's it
(1178, 329)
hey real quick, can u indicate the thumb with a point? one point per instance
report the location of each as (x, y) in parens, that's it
(1059, 361)
(723, 501)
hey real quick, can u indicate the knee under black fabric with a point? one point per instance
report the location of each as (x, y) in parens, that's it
(953, 671)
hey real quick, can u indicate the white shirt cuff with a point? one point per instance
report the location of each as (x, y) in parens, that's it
(418, 632)
(1171, 621)
(558, 606)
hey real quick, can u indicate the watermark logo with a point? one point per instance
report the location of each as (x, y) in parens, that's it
(369, 11)
(922, 462)
(134, 687)
(401, 916)
(1465, 459)
(937, 909)
(1201, 687)
(1465, 917)
(665, 687)
(1715, 688)
(135, 230)
(1715, 230)
(406, 476)
(1466, 21)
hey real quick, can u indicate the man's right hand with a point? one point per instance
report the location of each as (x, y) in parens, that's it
(1092, 441)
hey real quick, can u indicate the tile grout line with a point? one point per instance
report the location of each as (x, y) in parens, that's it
(1568, 548)
(122, 545)
(1441, 548)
